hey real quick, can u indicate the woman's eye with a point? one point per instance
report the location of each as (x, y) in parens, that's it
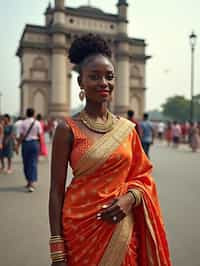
(95, 77)
(110, 77)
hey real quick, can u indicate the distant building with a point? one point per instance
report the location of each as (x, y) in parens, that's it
(46, 70)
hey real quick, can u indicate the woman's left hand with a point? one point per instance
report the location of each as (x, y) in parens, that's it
(116, 210)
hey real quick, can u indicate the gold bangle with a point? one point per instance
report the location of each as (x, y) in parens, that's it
(137, 196)
(58, 256)
(56, 241)
(56, 237)
(58, 260)
(57, 253)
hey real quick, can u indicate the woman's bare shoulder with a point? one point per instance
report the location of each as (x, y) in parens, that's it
(63, 131)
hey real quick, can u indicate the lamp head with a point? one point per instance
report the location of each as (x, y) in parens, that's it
(193, 39)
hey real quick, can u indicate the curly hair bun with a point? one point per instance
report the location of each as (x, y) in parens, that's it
(87, 45)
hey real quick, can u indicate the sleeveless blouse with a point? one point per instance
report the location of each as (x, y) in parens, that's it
(81, 142)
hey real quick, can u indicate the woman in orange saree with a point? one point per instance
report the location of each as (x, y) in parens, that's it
(109, 215)
(106, 170)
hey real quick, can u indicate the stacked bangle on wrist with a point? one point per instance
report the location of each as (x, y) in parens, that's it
(136, 195)
(57, 248)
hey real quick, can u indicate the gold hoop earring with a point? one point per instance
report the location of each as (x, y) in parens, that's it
(82, 94)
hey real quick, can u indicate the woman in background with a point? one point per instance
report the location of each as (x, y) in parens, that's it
(43, 147)
(168, 133)
(194, 138)
(8, 144)
(1, 140)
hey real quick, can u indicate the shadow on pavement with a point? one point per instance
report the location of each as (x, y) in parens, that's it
(13, 189)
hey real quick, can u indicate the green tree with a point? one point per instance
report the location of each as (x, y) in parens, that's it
(177, 107)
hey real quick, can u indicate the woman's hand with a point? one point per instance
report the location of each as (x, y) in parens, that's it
(117, 210)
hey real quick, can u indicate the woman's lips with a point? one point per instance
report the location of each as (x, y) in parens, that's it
(104, 92)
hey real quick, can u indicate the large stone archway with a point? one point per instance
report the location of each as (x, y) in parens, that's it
(43, 53)
(39, 102)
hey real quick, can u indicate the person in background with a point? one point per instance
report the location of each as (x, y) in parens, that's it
(1, 140)
(194, 138)
(8, 144)
(168, 133)
(147, 133)
(161, 130)
(130, 116)
(198, 126)
(176, 134)
(184, 132)
(30, 131)
(43, 147)
(109, 214)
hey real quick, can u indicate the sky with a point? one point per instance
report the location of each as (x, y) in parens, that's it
(165, 26)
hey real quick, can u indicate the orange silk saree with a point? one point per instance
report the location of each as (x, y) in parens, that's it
(103, 171)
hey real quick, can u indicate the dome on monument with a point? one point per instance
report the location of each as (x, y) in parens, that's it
(90, 9)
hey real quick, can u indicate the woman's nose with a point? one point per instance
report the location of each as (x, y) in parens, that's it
(103, 82)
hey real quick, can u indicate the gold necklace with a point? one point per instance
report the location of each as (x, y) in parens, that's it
(92, 124)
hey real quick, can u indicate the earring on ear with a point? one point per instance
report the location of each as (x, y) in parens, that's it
(82, 94)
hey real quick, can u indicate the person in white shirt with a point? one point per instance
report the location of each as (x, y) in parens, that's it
(30, 130)
(17, 126)
(176, 134)
(161, 130)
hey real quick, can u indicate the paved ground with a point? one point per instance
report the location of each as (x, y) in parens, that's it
(24, 216)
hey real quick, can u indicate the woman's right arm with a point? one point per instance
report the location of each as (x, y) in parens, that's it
(61, 149)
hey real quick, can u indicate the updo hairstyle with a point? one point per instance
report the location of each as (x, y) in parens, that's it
(86, 46)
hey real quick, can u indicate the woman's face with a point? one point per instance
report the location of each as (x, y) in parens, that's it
(97, 79)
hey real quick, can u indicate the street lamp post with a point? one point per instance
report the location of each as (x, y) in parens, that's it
(193, 38)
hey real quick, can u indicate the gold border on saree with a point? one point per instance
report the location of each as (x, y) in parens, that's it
(117, 248)
(103, 148)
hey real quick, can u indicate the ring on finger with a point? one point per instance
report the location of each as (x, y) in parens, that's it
(123, 212)
(114, 218)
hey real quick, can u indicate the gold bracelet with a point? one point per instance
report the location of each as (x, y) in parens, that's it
(57, 248)
(137, 196)
(56, 237)
(56, 257)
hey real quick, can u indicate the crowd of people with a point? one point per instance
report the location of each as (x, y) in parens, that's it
(28, 135)
(172, 132)
(175, 133)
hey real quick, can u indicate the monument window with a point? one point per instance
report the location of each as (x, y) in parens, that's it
(135, 71)
(71, 20)
(112, 26)
(38, 63)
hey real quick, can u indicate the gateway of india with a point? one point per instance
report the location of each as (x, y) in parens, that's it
(46, 70)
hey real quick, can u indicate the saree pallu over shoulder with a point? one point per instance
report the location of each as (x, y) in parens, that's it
(100, 151)
(153, 247)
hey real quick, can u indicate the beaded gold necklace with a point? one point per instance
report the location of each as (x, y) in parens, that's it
(95, 126)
